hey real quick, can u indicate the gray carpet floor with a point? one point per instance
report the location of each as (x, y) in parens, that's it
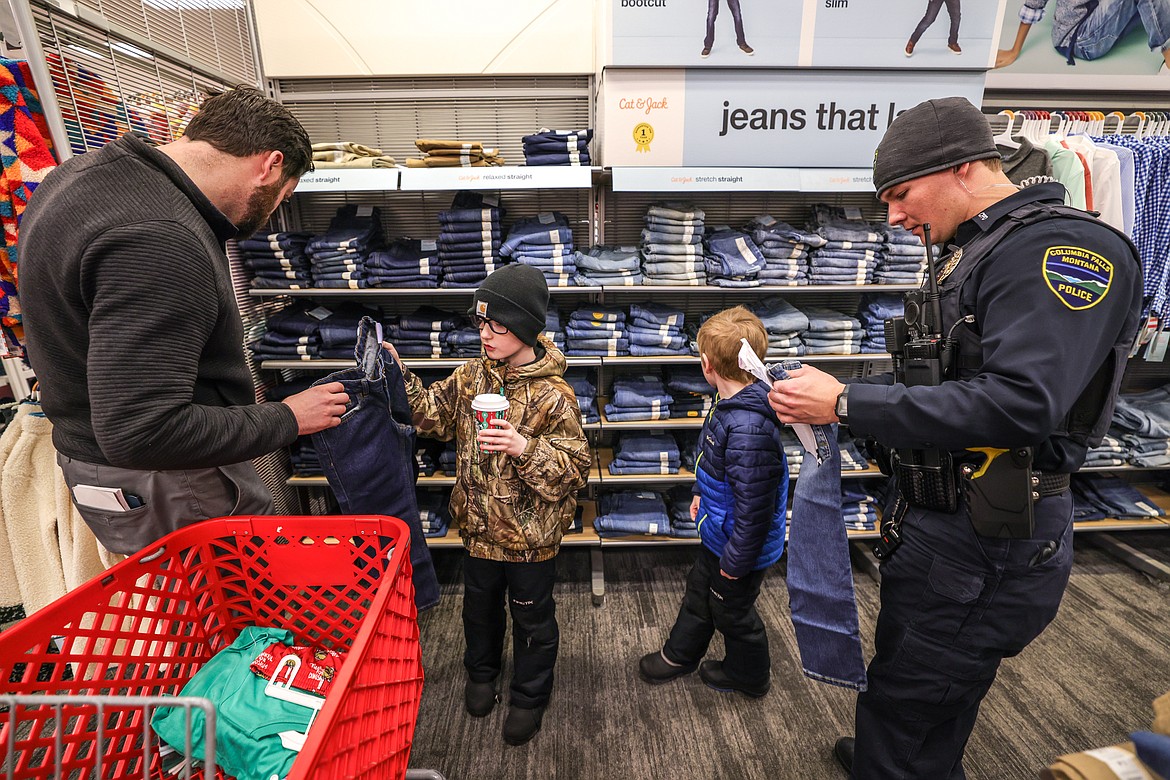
(1087, 682)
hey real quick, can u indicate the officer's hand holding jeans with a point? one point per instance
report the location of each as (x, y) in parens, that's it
(318, 407)
(809, 396)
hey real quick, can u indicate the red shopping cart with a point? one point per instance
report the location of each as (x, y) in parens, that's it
(147, 625)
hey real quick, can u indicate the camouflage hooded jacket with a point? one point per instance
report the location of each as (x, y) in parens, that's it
(510, 509)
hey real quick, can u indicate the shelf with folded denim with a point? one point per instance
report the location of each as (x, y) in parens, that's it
(758, 290)
(745, 180)
(669, 422)
(438, 479)
(412, 363)
(605, 456)
(398, 292)
(624, 360)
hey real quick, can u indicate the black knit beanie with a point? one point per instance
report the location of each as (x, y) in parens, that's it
(931, 137)
(516, 296)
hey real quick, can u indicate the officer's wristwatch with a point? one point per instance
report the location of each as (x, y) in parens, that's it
(842, 407)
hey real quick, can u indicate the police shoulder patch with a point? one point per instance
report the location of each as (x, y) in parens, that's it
(1078, 277)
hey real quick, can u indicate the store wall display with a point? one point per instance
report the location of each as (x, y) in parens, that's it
(760, 118)
(1068, 44)
(363, 37)
(935, 34)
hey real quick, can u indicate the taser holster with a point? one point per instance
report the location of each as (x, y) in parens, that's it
(1000, 491)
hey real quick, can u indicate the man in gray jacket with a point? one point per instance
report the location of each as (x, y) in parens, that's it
(132, 324)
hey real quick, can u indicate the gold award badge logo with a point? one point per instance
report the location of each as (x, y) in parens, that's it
(643, 135)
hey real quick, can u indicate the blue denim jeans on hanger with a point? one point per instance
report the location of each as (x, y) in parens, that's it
(820, 576)
(369, 459)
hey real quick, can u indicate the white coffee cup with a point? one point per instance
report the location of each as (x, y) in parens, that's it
(488, 407)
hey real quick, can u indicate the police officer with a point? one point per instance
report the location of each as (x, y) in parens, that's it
(1043, 301)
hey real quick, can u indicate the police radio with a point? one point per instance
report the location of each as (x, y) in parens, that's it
(923, 356)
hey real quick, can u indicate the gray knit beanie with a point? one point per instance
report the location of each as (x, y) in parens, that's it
(931, 137)
(516, 296)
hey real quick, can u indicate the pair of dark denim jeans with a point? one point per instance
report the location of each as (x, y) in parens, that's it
(820, 575)
(369, 459)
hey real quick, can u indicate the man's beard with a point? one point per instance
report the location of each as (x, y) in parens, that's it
(261, 203)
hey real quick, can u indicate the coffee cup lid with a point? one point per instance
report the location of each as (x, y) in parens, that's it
(489, 402)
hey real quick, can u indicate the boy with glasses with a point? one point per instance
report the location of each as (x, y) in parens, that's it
(515, 490)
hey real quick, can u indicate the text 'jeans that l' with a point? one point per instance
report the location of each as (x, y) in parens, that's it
(369, 459)
(820, 575)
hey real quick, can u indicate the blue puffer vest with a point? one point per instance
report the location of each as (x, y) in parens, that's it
(742, 482)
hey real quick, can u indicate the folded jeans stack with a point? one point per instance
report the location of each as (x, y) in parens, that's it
(626, 512)
(859, 504)
(454, 154)
(469, 245)
(672, 245)
(904, 258)
(404, 263)
(831, 332)
(557, 147)
(597, 332)
(852, 458)
(338, 256)
(654, 329)
(872, 312)
(553, 328)
(678, 507)
(346, 154)
(693, 396)
(638, 397)
(783, 323)
(1113, 451)
(425, 333)
(432, 511)
(1142, 421)
(851, 250)
(785, 250)
(640, 453)
(277, 260)
(304, 333)
(586, 393)
(608, 265)
(1097, 496)
(732, 258)
(544, 242)
(793, 451)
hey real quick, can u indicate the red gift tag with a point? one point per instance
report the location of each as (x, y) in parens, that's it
(318, 666)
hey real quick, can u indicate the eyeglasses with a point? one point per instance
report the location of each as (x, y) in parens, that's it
(494, 326)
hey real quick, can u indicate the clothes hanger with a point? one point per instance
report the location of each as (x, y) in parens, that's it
(1120, 117)
(1005, 138)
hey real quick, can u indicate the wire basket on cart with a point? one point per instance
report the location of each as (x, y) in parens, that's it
(148, 624)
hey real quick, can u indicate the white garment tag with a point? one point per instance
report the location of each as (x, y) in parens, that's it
(365, 211)
(1123, 763)
(852, 212)
(767, 220)
(320, 313)
(750, 362)
(654, 528)
(428, 245)
(424, 266)
(1156, 351)
(655, 406)
(546, 218)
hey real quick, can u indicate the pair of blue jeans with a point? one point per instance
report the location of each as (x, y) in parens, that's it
(556, 158)
(369, 458)
(736, 16)
(820, 575)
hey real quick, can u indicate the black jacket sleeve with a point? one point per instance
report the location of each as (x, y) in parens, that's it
(154, 305)
(1038, 352)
